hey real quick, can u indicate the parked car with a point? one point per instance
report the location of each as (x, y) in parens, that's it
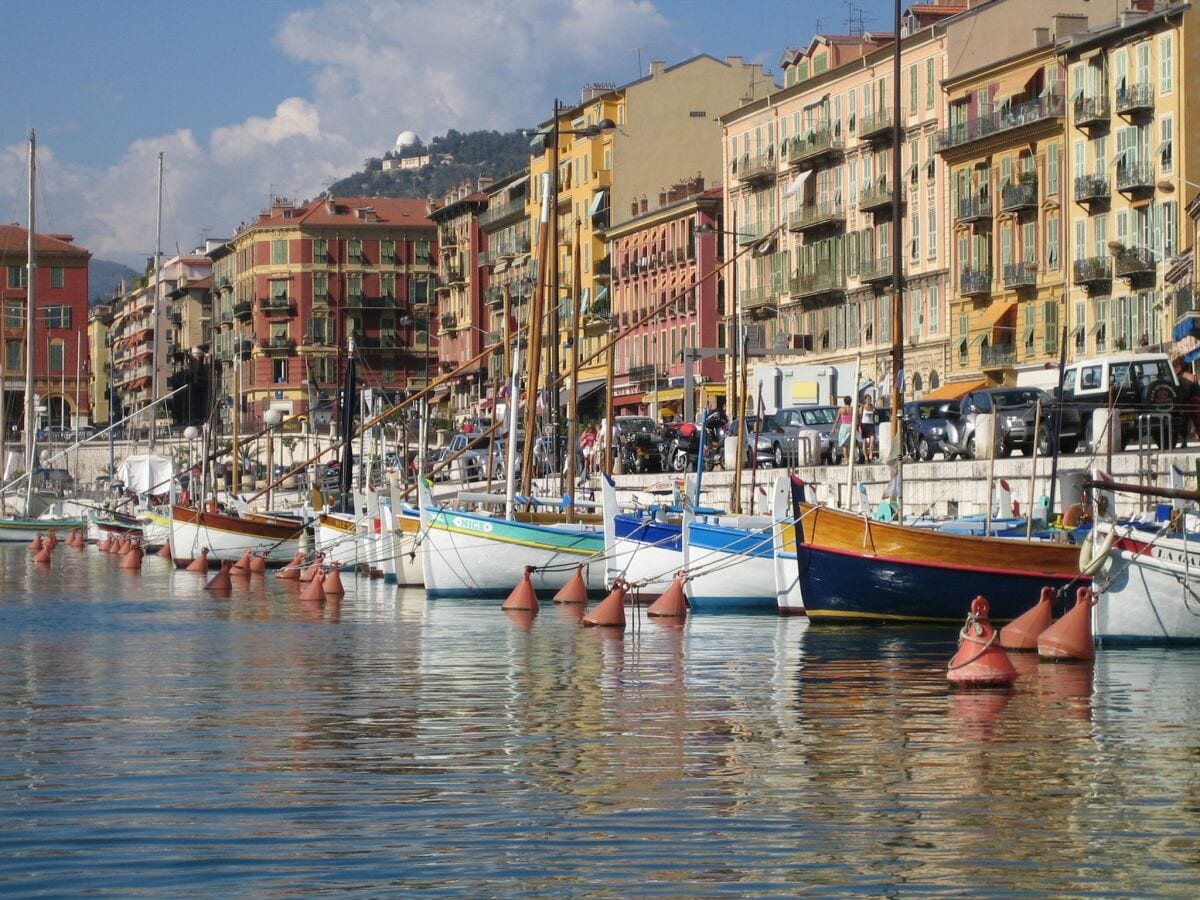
(640, 443)
(792, 420)
(924, 426)
(1143, 386)
(758, 444)
(1015, 409)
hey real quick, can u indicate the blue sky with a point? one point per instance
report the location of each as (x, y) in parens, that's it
(252, 97)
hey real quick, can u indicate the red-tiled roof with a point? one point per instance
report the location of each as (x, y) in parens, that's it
(386, 211)
(14, 239)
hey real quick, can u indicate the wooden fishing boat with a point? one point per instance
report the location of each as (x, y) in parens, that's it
(473, 554)
(228, 536)
(853, 568)
(109, 523)
(16, 529)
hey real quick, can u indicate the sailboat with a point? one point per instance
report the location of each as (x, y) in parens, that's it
(25, 528)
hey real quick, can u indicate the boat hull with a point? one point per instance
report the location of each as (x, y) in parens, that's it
(25, 530)
(228, 537)
(1148, 594)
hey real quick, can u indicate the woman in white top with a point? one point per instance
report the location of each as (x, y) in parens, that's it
(866, 427)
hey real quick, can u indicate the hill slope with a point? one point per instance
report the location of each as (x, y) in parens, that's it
(104, 277)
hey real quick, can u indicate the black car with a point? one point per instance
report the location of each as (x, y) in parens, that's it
(924, 426)
(1015, 409)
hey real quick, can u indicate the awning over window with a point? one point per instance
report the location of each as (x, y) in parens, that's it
(598, 203)
(997, 311)
(952, 390)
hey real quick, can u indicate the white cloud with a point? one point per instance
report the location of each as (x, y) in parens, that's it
(377, 66)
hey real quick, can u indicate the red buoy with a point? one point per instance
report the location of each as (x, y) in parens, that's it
(242, 566)
(221, 581)
(164, 551)
(1071, 636)
(43, 555)
(258, 564)
(523, 595)
(36, 544)
(610, 612)
(575, 590)
(332, 583)
(1022, 632)
(292, 570)
(671, 603)
(313, 567)
(314, 591)
(980, 662)
(200, 563)
(132, 561)
(102, 544)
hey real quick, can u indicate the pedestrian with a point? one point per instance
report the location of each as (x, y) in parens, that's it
(845, 425)
(587, 446)
(468, 427)
(867, 427)
(1189, 397)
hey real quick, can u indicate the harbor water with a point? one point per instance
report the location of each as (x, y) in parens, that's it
(158, 740)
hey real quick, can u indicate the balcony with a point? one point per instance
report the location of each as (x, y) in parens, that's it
(746, 235)
(487, 259)
(998, 356)
(1093, 272)
(876, 126)
(1020, 275)
(1135, 177)
(644, 374)
(176, 319)
(876, 271)
(276, 307)
(319, 337)
(750, 169)
(1092, 112)
(495, 214)
(759, 302)
(494, 296)
(974, 209)
(876, 197)
(242, 310)
(817, 215)
(1136, 263)
(826, 283)
(1134, 99)
(449, 321)
(1019, 195)
(975, 282)
(1000, 121)
(276, 345)
(817, 145)
(1092, 189)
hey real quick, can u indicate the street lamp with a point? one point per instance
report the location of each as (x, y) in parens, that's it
(272, 419)
(603, 127)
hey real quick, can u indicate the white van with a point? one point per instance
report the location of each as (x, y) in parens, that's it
(1142, 386)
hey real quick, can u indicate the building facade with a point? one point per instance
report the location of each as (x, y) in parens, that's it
(60, 339)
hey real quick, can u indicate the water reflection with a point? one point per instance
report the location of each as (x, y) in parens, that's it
(150, 732)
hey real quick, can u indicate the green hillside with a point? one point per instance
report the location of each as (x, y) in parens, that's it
(456, 157)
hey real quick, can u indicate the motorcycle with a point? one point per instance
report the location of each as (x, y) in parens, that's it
(683, 450)
(640, 452)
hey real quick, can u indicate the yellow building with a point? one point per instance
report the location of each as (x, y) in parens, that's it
(99, 364)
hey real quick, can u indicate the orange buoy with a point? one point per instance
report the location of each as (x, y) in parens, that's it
(258, 564)
(200, 563)
(124, 546)
(36, 544)
(242, 566)
(523, 595)
(132, 560)
(309, 572)
(52, 539)
(610, 612)
(1022, 632)
(292, 570)
(164, 551)
(314, 591)
(221, 581)
(671, 603)
(332, 583)
(102, 544)
(1071, 636)
(575, 590)
(43, 555)
(980, 661)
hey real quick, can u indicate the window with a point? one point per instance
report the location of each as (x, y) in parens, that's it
(320, 287)
(912, 90)
(354, 286)
(387, 253)
(929, 83)
(387, 285)
(1050, 320)
(320, 248)
(18, 276)
(934, 312)
(279, 333)
(914, 323)
(355, 250)
(1166, 73)
(56, 356)
(1166, 144)
(1080, 239)
(1170, 236)
(57, 316)
(931, 243)
(56, 276)
(915, 226)
(279, 370)
(422, 253)
(14, 315)
(320, 330)
(279, 290)
(1052, 169)
(279, 253)
(1052, 241)
(14, 355)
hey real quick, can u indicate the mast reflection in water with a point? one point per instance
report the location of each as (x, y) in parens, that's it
(155, 738)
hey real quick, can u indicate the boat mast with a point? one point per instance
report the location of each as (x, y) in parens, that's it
(31, 266)
(897, 452)
(156, 312)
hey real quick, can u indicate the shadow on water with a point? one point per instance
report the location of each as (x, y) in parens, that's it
(158, 738)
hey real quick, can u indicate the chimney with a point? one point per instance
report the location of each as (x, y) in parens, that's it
(662, 198)
(1041, 36)
(1066, 24)
(633, 208)
(483, 183)
(643, 206)
(657, 67)
(330, 206)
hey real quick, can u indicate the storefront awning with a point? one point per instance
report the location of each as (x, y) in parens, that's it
(665, 395)
(952, 390)
(586, 389)
(996, 312)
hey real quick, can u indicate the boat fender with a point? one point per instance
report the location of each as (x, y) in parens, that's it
(1093, 556)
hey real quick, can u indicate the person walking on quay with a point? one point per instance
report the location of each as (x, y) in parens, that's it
(845, 425)
(587, 446)
(1189, 395)
(867, 428)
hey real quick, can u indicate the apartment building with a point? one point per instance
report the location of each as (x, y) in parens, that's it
(1132, 166)
(508, 273)
(813, 164)
(461, 315)
(316, 281)
(667, 255)
(59, 337)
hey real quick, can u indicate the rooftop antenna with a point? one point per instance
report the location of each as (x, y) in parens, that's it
(856, 18)
(638, 51)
